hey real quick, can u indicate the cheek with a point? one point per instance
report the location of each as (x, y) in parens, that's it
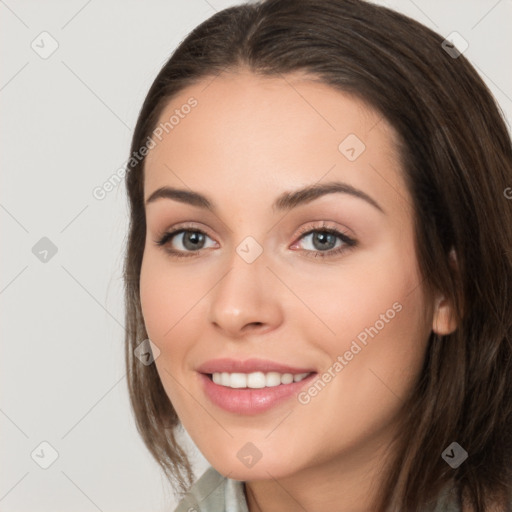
(374, 317)
(381, 356)
(392, 351)
(174, 316)
(154, 302)
(377, 291)
(166, 303)
(168, 297)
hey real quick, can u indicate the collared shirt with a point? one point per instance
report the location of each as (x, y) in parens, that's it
(214, 492)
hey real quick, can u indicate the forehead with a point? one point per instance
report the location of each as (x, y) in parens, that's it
(264, 133)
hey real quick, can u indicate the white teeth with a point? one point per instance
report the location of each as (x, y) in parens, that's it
(272, 379)
(256, 380)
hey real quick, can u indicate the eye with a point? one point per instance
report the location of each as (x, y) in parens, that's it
(323, 240)
(189, 241)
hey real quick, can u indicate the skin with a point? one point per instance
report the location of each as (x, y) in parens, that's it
(248, 140)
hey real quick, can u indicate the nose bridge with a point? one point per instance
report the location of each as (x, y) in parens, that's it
(246, 273)
(242, 294)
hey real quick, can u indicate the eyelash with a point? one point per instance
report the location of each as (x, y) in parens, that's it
(348, 241)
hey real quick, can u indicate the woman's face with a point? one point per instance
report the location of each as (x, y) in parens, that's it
(265, 281)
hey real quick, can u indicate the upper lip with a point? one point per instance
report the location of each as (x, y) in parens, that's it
(248, 366)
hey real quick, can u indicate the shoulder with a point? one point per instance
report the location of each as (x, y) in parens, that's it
(213, 492)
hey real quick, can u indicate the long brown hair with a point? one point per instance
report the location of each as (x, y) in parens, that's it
(457, 161)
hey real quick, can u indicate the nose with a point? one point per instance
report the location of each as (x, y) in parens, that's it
(246, 299)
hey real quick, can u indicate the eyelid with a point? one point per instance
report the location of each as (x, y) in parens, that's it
(193, 226)
(168, 234)
(185, 226)
(325, 225)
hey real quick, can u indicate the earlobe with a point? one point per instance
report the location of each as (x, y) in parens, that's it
(453, 257)
(444, 321)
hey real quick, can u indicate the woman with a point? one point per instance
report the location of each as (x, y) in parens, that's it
(370, 373)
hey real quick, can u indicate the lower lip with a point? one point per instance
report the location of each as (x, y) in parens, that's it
(248, 400)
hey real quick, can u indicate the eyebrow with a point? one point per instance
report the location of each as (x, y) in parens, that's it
(286, 201)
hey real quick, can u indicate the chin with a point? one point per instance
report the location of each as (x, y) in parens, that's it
(261, 470)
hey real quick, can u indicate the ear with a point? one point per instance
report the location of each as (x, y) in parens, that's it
(444, 319)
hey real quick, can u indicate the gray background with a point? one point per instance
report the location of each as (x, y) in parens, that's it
(66, 126)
